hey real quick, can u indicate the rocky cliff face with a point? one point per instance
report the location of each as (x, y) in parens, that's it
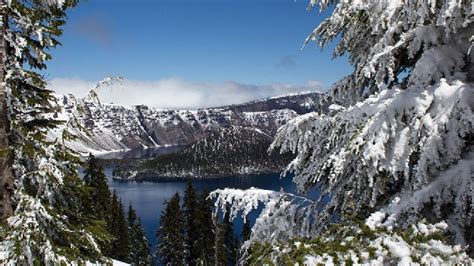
(102, 127)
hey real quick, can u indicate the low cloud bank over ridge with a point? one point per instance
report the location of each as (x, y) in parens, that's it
(176, 93)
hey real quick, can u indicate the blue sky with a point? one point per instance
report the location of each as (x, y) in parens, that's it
(250, 42)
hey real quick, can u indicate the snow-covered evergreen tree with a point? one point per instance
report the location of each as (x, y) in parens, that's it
(171, 233)
(230, 240)
(206, 229)
(117, 225)
(99, 197)
(191, 215)
(139, 247)
(396, 147)
(42, 195)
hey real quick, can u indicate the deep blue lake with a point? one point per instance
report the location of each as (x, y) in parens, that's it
(148, 197)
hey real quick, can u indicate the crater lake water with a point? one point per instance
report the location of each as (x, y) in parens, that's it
(148, 198)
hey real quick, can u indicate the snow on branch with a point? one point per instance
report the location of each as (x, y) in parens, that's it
(395, 140)
(385, 39)
(46, 185)
(284, 215)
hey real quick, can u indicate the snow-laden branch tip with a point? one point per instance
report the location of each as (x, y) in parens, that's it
(284, 215)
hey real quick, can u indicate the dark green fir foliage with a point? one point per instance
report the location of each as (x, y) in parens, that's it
(204, 238)
(118, 228)
(191, 214)
(246, 230)
(206, 229)
(171, 234)
(125, 240)
(100, 196)
(139, 249)
(220, 249)
(226, 244)
(230, 239)
(98, 200)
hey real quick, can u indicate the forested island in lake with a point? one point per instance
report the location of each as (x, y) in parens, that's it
(225, 152)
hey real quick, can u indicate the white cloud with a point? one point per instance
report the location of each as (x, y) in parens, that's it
(178, 93)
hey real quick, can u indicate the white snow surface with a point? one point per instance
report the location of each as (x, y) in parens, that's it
(114, 263)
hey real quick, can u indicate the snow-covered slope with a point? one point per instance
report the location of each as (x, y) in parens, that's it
(303, 102)
(101, 127)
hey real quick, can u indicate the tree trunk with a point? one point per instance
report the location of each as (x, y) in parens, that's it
(6, 156)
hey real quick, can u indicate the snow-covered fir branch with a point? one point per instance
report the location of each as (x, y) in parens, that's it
(47, 224)
(397, 143)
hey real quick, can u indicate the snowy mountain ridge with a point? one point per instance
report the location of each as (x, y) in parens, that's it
(301, 103)
(103, 127)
